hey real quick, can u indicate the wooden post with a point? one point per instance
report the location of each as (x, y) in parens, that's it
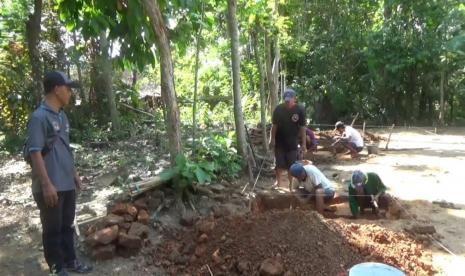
(363, 129)
(353, 121)
(389, 138)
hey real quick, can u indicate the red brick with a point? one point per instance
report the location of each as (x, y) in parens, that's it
(130, 209)
(113, 219)
(141, 204)
(138, 229)
(129, 241)
(143, 217)
(128, 218)
(104, 236)
(119, 209)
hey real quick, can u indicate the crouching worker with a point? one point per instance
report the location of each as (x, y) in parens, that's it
(311, 181)
(367, 191)
(350, 138)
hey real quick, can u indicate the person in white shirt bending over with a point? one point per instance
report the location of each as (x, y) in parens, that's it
(350, 138)
(312, 182)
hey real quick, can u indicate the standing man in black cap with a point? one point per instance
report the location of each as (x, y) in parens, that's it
(54, 178)
(288, 125)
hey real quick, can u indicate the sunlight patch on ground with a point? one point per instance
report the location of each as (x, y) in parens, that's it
(451, 265)
(14, 167)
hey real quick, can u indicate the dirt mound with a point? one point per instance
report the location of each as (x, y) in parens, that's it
(297, 240)
(394, 248)
(285, 243)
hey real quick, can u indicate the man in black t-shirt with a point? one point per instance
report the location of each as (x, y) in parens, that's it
(288, 125)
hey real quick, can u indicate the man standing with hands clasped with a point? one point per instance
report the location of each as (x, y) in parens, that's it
(288, 125)
(54, 178)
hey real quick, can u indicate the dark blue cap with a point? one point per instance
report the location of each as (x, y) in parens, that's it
(57, 78)
(358, 178)
(289, 94)
(296, 170)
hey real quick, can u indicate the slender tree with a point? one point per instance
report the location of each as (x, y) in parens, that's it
(261, 73)
(235, 64)
(33, 37)
(106, 79)
(168, 92)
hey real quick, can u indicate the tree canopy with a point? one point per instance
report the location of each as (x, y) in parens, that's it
(392, 61)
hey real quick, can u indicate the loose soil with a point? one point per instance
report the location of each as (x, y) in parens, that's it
(302, 241)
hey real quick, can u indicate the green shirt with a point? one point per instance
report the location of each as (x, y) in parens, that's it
(373, 186)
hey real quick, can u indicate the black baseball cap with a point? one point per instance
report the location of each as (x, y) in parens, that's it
(57, 78)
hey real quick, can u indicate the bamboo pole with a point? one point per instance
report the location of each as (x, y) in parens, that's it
(355, 118)
(389, 138)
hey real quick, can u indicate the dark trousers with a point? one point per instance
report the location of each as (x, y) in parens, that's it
(57, 229)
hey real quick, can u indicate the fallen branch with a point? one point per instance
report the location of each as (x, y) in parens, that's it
(89, 220)
(137, 110)
(141, 187)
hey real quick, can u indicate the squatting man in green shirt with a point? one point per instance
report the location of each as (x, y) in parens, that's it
(367, 190)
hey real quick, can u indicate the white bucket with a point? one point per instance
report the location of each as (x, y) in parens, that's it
(374, 269)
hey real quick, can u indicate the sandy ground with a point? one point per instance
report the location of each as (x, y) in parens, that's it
(420, 167)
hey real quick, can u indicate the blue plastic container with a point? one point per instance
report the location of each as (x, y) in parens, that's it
(374, 269)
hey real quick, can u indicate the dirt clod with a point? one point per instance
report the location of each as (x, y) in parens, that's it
(103, 252)
(205, 226)
(243, 266)
(187, 219)
(203, 238)
(271, 267)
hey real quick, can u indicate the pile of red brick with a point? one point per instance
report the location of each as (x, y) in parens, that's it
(123, 231)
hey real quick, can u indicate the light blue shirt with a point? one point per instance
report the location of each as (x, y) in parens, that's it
(49, 128)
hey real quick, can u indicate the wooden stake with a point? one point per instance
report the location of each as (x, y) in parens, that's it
(363, 129)
(389, 138)
(353, 121)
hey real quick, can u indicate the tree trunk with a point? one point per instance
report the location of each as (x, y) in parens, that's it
(275, 70)
(235, 64)
(441, 101)
(262, 87)
(272, 85)
(82, 95)
(134, 79)
(196, 83)
(106, 79)
(168, 91)
(33, 37)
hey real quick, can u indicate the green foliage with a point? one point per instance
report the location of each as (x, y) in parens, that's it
(216, 159)
(220, 150)
(186, 174)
